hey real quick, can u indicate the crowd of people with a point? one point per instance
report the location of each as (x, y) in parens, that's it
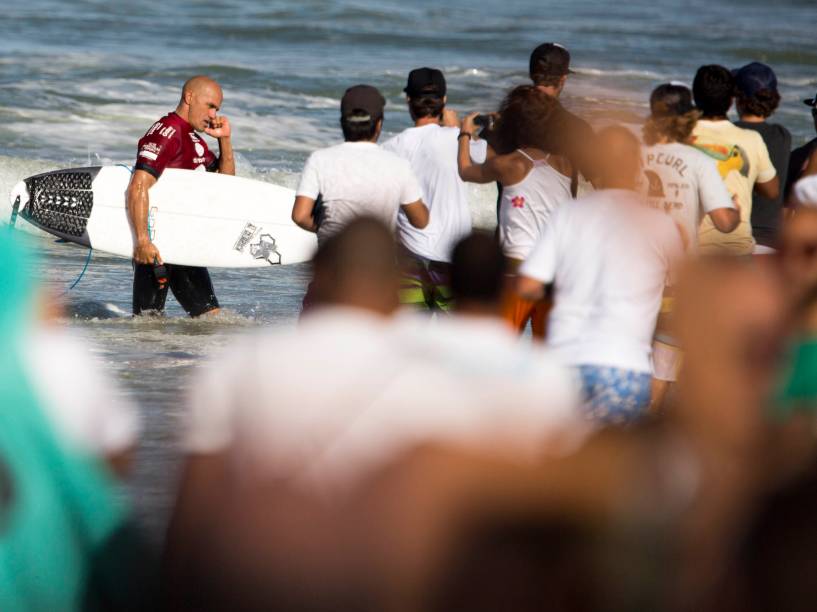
(407, 446)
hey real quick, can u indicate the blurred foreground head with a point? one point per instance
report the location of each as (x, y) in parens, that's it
(618, 158)
(477, 274)
(798, 256)
(358, 267)
(730, 316)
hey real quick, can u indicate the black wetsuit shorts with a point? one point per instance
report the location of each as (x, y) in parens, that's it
(191, 286)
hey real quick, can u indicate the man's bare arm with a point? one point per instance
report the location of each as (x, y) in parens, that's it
(302, 213)
(144, 251)
(769, 189)
(529, 288)
(417, 213)
(725, 219)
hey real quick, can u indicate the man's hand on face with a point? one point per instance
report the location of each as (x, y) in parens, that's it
(146, 253)
(219, 128)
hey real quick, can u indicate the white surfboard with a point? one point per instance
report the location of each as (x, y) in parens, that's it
(195, 218)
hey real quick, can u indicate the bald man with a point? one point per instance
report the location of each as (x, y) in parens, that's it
(173, 142)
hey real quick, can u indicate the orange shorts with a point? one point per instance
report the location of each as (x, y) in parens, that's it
(518, 312)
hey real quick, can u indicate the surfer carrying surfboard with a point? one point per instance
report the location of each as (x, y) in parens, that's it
(174, 142)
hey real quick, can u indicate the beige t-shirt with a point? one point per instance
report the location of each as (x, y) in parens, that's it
(742, 159)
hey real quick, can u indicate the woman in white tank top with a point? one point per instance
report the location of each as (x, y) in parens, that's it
(534, 183)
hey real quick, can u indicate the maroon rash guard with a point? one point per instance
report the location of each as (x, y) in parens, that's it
(171, 142)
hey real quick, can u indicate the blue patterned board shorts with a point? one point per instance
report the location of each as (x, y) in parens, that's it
(614, 395)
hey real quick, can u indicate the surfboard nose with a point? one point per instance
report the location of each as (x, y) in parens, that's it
(19, 199)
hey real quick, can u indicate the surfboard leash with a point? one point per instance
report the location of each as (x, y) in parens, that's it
(81, 274)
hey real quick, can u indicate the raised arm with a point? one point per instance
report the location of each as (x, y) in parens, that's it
(144, 251)
(469, 171)
(220, 128)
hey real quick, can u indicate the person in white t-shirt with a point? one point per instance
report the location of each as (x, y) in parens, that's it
(608, 257)
(357, 178)
(430, 146)
(482, 351)
(535, 183)
(684, 183)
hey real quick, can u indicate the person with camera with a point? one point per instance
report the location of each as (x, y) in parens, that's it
(430, 147)
(534, 181)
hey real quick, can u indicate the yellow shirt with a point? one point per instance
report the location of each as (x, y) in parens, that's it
(743, 160)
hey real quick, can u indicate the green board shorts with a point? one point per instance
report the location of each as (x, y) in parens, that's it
(425, 284)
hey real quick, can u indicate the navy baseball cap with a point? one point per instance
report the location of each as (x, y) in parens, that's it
(425, 82)
(754, 77)
(812, 102)
(671, 100)
(364, 100)
(549, 60)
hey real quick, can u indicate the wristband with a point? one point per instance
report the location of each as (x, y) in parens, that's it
(469, 134)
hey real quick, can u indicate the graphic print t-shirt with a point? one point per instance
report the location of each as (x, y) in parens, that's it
(171, 142)
(742, 160)
(684, 183)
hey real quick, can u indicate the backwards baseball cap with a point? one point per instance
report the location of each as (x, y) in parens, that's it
(363, 100)
(548, 60)
(671, 100)
(425, 82)
(754, 77)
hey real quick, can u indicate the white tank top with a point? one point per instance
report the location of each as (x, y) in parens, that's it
(525, 207)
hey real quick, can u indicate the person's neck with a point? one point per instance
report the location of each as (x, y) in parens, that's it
(554, 91)
(183, 111)
(752, 118)
(715, 118)
(422, 121)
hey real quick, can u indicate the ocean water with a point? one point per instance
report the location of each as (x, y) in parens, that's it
(81, 80)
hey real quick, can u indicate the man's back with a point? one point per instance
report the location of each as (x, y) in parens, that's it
(608, 257)
(767, 214)
(684, 183)
(432, 152)
(743, 160)
(356, 179)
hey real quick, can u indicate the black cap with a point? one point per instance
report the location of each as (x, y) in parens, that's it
(549, 60)
(363, 100)
(812, 102)
(754, 77)
(671, 100)
(425, 82)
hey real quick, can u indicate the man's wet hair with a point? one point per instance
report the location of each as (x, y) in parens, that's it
(713, 90)
(357, 129)
(426, 106)
(526, 119)
(477, 269)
